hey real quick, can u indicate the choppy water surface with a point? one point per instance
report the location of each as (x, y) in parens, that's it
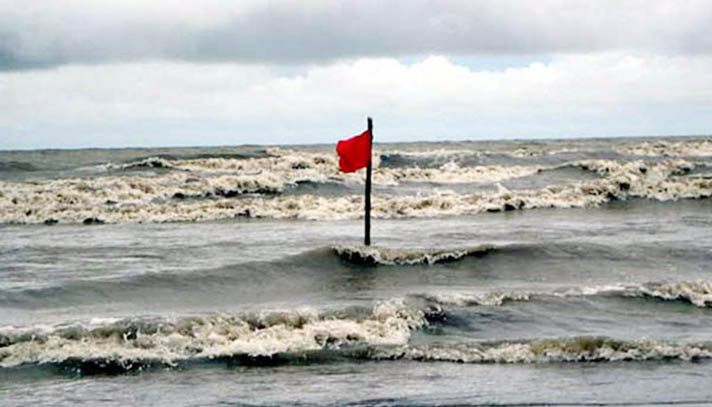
(540, 273)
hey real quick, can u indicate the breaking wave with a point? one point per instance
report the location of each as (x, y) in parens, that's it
(662, 148)
(176, 160)
(372, 256)
(290, 166)
(382, 332)
(300, 336)
(459, 299)
(150, 162)
(578, 349)
(698, 293)
(133, 343)
(219, 188)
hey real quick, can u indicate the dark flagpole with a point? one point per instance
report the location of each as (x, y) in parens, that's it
(367, 218)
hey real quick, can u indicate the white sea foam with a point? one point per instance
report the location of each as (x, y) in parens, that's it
(452, 172)
(150, 162)
(385, 256)
(385, 330)
(536, 151)
(459, 299)
(687, 148)
(160, 198)
(441, 153)
(579, 349)
(290, 166)
(204, 337)
(698, 292)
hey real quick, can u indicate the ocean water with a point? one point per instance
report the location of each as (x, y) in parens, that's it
(532, 273)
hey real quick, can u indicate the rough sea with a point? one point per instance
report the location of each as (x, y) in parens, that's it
(538, 273)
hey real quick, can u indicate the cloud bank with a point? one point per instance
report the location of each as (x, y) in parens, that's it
(174, 103)
(55, 32)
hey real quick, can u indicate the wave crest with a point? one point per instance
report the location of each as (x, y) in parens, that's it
(134, 342)
(493, 298)
(190, 196)
(662, 148)
(698, 293)
(373, 256)
(578, 349)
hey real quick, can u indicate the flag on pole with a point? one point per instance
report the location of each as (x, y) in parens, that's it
(354, 153)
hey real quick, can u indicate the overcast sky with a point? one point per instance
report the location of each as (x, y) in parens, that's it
(91, 73)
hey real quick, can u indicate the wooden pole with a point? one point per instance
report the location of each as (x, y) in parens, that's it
(367, 217)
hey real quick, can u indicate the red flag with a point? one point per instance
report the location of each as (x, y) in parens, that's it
(354, 153)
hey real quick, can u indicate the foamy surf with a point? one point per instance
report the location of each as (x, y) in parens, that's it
(698, 293)
(173, 347)
(290, 166)
(664, 148)
(140, 342)
(382, 332)
(254, 189)
(373, 256)
(558, 350)
(265, 312)
(462, 299)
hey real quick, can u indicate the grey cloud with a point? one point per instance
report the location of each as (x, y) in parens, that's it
(75, 31)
